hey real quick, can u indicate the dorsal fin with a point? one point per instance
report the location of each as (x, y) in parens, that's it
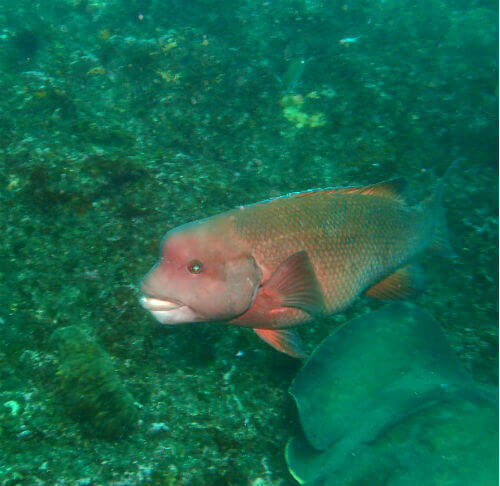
(393, 189)
(396, 189)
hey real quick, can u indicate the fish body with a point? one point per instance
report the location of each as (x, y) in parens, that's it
(293, 74)
(347, 41)
(279, 263)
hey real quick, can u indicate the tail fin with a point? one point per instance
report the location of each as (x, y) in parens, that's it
(441, 242)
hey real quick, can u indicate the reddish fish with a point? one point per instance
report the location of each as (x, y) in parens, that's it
(282, 262)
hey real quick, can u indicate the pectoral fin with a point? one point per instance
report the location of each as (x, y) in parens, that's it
(406, 283)
(294, 284)
(285, 340)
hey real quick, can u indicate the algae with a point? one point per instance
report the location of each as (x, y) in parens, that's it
(89, 387)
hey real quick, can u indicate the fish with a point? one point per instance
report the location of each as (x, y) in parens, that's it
(282, 262)
(293, 74)
(296, 59)
(347, 41)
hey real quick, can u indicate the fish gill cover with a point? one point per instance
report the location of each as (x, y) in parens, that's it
(123, 119)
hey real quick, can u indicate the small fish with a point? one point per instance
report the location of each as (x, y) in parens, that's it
(347, 41)
(283, 262)
(293, 74)
(296, 59)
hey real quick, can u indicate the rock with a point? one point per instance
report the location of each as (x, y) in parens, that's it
(384, 400)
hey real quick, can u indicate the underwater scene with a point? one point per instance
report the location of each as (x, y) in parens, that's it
(338, 337)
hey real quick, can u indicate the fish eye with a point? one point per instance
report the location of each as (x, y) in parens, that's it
(195, 266)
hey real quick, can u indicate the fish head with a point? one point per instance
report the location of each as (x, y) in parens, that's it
(202, 275)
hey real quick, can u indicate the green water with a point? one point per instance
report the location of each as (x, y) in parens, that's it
(123, 119)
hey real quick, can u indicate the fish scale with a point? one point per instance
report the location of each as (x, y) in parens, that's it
(353, 240)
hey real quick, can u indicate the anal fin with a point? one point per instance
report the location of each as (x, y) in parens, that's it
(285, 340)
(405, 283)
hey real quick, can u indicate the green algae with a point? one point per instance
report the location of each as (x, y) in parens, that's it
(90, 388)
(295, 112)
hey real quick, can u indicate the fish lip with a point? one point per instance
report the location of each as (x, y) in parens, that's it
(155, 304)
(167, 311)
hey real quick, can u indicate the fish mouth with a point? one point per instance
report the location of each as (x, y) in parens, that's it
(155, 304)
(169, 311)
